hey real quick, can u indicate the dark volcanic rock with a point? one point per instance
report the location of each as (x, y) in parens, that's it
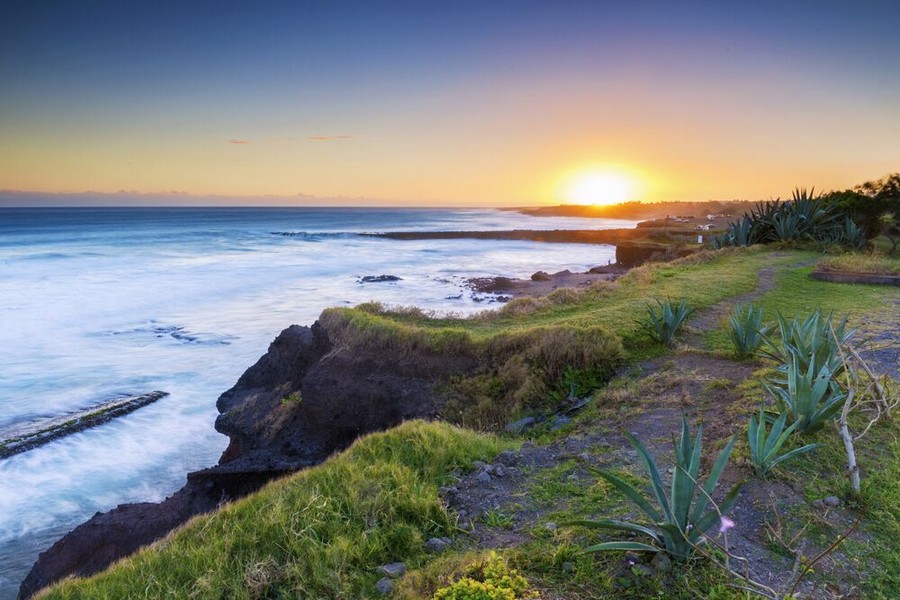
(306, 398)
(379, 278)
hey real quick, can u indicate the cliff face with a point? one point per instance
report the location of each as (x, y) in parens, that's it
(303, 400)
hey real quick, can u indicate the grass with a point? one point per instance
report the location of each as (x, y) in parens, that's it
(317, 534)
(861, 263)
(876, 551)
(321, 533)
(796, 294)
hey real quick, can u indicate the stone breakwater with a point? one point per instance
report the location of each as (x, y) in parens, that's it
(20, 438)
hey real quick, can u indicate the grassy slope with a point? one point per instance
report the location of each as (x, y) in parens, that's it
(320, 533)
(316, 534)
(618, 307)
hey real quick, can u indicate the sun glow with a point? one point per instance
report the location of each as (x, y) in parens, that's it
(599, 187)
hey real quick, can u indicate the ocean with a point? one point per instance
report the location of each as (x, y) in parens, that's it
(96, 303)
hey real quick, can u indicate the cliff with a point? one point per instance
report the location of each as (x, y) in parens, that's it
(306, 398)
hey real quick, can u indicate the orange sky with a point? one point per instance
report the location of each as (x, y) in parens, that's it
(491, 108)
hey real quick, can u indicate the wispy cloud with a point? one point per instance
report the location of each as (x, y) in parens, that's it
(329, 138)
(239, 142)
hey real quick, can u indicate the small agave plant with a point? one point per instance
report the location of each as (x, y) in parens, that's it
(681, 518)
(664, 321)
(747, 330)
(809, 398)
(765, 444)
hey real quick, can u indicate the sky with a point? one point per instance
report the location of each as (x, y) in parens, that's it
(446, 103)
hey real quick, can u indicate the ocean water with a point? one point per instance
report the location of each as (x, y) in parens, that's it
(97, 303)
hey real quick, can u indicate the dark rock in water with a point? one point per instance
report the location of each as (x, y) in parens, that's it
(347, 391)
(379, 278)
(541, 276)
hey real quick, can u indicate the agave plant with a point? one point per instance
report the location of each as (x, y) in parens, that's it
(681, 518)
(765, 444)
(852, 235)
(664, 322)
(747, 330)
(814, 340)
(808, 397)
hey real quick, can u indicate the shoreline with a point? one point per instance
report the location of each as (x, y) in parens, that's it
(542, 283)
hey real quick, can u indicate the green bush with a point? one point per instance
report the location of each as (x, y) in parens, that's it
(490, 580)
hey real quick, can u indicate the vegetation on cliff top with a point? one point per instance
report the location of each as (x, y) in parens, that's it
(321, 533)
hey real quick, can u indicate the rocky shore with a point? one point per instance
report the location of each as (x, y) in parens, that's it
(306, 398)
(309, 396)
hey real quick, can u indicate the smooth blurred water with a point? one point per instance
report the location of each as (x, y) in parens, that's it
(100, 302)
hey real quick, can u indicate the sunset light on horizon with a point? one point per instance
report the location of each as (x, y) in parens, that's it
(462, 104)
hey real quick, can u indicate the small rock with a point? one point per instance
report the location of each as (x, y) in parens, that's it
(642, 571)
(437, 545)
(568, 567)
(661, 562)
(462, 514)
(635, 557)
(393, 570)
(541, 276)
(605, 444)
(498, 471)
(521, 425)
(526, 446)
(483, 477)
(559, 422)
(832, 501)
(820, 504)
(384, 586)
(479, 464)
(584, 457)
(550, 526)
(508, 458)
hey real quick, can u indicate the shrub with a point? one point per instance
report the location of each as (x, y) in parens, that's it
(681, 519)
(764, 445)
(747, 330)
(488, 580)
(667, 319)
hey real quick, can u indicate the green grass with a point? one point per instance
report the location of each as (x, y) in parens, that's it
(621, 306)
(317, 534)
(861, 263)
(796, 294)
(876, 549)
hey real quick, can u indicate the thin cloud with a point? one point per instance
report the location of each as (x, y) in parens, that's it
(239, 142)
(329, 138)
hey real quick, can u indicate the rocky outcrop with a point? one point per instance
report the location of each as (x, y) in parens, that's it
(306, 398)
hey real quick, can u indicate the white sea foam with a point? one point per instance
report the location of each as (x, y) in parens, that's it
(92, 310)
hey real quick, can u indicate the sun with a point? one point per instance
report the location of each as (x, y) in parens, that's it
(599, 187)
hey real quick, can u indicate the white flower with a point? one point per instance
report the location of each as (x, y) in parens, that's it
(725, 524)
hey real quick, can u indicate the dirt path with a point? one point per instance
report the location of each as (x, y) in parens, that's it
(525, 494)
